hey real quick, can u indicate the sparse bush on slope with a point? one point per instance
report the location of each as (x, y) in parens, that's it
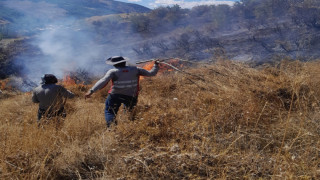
(232, 121)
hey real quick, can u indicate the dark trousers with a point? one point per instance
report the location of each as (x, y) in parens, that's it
(50, 113)
(113, 103)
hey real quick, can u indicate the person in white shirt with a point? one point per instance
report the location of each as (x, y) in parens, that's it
(125, 86)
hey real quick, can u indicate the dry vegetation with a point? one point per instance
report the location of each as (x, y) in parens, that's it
(235, 122)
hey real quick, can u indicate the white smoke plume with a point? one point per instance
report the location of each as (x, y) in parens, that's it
(39, 10)
(64, 49)
(65, 43)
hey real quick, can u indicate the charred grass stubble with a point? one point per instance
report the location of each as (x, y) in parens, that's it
(233, 122)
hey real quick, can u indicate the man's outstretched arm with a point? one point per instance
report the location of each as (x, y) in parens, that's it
(152, 72)
(100, 84)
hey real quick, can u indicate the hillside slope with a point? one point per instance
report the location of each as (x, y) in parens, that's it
(14, 10)
(229, 121)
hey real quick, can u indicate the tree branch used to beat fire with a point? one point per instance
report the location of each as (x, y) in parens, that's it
(160, 60)
(182, 70)
(175, 68)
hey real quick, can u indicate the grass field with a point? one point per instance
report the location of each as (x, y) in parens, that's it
(230, 121)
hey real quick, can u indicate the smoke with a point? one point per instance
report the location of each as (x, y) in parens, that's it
(38, 10)
(33, 15)
(64, 49)
(64, 44)
(20, 83)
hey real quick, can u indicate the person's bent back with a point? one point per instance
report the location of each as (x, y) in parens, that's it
(50, 96)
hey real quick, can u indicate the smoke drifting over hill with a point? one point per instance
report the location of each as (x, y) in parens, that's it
(63, 49)
(254, 30)
(39, 10)
(63, 43)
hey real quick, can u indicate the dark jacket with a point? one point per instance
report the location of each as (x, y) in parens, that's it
(50, 96)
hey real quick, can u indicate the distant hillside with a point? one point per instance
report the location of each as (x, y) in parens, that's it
(251, 30)
(88, 8)
(75, 8)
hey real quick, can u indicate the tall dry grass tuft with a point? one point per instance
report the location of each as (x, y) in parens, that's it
(229, 121)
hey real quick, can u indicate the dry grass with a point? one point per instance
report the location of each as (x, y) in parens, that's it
(236, 122)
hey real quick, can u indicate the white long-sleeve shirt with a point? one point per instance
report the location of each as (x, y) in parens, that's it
(125, 80)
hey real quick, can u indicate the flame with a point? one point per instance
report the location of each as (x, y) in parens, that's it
(174, 62)
(68, 81)
(148, 66)
(73, 82)
(4, 84)
(163, 67)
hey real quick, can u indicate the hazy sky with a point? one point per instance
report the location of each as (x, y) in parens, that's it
(182, 3)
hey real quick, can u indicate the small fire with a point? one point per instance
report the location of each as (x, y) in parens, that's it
(72, 81)
(163, 67)
(148, 66)
(4, 84)
(68, 81)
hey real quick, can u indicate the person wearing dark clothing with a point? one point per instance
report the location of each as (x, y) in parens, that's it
(50, 97)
